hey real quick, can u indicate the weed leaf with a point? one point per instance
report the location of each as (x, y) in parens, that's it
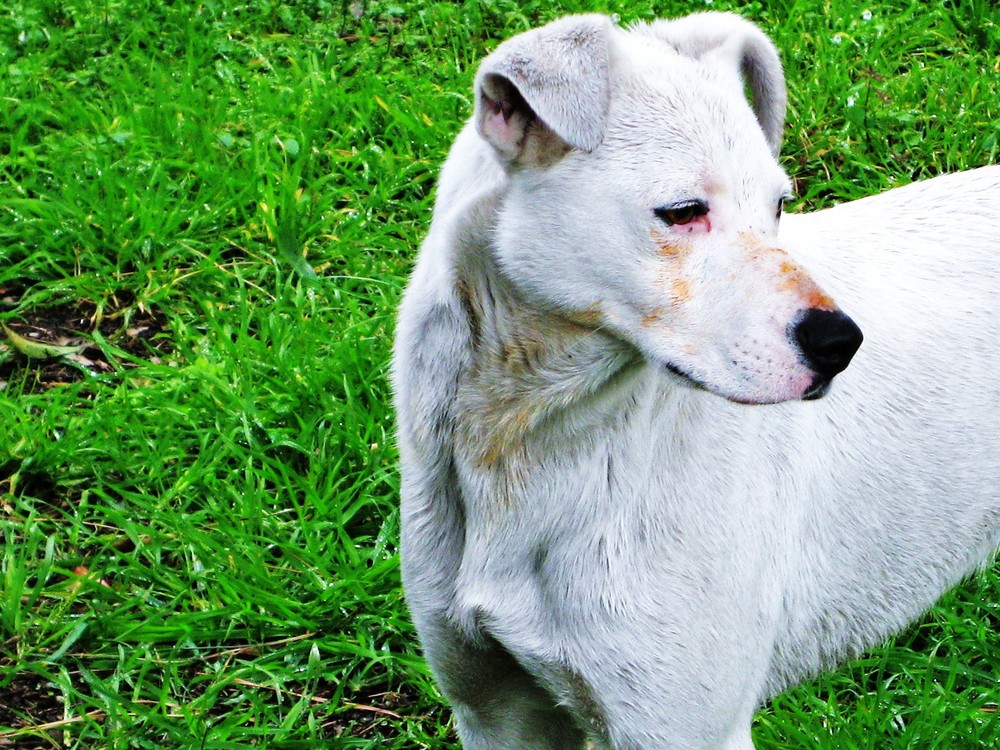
(39, 349)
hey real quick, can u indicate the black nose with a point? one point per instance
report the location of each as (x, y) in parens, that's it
(828, 339)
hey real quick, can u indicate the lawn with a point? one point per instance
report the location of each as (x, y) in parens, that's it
(208, 210)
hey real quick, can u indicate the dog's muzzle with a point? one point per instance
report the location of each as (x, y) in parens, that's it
(828, 340)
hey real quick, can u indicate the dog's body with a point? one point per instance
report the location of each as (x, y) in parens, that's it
(601, 541)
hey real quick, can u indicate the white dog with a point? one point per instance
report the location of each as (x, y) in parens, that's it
(602, 541)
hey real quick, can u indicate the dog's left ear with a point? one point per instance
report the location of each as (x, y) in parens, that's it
(546, 90)
(736, 43)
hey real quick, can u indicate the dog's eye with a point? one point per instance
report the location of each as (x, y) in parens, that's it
(680, 214)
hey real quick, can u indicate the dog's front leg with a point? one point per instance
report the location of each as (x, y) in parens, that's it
(649, 656)
(682, 702)
(496, 703)
(637, 701)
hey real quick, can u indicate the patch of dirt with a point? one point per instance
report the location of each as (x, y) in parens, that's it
(375, 713)
(29, 705)
(27, 701)
(59, 344)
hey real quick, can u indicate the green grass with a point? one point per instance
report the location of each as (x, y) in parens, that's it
(199, 528)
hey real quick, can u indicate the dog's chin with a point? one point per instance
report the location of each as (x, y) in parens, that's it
(818, 388)
(683, 379)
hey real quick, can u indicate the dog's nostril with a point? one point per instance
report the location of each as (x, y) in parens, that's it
(828, 340)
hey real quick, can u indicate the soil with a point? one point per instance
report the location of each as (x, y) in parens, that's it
(59, 344)
(29, 700)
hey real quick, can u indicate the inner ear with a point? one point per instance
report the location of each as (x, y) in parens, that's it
(504, 116)
(546, 91)
(509, 123)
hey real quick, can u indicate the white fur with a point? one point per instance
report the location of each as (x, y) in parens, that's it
(595, 549)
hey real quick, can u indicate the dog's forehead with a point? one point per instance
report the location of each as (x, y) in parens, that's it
(689, 128)
(660, 91)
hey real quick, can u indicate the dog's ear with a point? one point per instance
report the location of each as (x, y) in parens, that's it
(546, 90)
(739, 44)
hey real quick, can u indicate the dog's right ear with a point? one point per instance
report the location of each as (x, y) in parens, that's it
(546, 90)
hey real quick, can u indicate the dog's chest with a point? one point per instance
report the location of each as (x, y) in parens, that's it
(633, 468)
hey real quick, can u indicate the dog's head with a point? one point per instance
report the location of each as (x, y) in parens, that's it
(643, 198)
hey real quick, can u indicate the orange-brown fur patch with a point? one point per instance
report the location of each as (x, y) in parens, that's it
(800, 283)
(652, 317)
(670, 247)
(589, 317)
(794, 278)
(671, 280)
(681, 290)
(505, 396)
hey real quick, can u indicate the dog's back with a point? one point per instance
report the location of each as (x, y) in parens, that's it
(907, 494)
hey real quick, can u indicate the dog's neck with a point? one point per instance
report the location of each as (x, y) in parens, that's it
(528, 366)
